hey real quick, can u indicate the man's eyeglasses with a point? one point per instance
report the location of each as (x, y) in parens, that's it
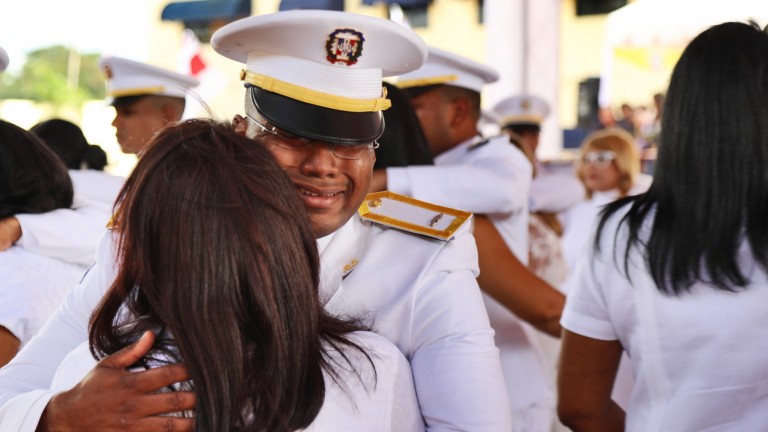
(599, 159)
(290, 141)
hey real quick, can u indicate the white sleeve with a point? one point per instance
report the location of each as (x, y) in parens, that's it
(26, 380)
(494, 181)
(586, 307)
(405, 414)
(455, 362)
(555, 193)
(70, 235)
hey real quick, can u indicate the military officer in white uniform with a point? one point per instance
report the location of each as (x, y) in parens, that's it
(555, 187)
(486, 176)
(313, 86)
(146, 99)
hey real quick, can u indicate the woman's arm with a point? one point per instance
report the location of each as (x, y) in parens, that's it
(585, 379)
(9, 346)
(512, 284)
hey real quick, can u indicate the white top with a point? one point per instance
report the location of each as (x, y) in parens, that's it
(698, 359)
(96, 185)
(31, 288)
(70, 235)
(491, 179)
(382, 402)
(579, 222)
(419, 293)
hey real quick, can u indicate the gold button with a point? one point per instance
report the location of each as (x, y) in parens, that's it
(374, 203)
(350, 266)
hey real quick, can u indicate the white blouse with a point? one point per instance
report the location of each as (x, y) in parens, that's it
(699, 359)
(384, 400)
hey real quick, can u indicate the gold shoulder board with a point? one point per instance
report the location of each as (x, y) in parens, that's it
(409, 214)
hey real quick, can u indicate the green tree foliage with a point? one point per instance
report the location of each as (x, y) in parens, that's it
(56, 75)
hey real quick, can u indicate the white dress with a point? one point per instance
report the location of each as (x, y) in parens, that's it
(31, 288)
(699, 359)
(419, 293)
(384, 402)
(493, 179)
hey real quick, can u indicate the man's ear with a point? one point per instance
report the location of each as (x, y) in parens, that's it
(240, 125)
(170, 114)
(460, 111)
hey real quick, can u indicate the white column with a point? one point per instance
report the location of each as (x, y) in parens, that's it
(524, 46)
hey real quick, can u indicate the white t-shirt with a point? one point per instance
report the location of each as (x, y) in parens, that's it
(31, 288)
(699, 359)
(383, 401)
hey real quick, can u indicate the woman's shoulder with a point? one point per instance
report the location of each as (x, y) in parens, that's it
(376, 349)
(361, 397)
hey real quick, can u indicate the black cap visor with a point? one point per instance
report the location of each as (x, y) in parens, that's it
(124, 101)
(316, 122)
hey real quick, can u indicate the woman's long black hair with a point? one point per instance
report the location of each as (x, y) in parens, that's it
(710, 190)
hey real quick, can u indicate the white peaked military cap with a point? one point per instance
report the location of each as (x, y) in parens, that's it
(443, 67)
(318, 74)
(131, 78)
(3, 59)
(521, 110)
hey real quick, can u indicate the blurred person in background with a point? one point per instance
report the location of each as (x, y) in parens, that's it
(32, 180)
(85, 161)
(676, 277)
(490, 178)
(609, 167)
(146, 99)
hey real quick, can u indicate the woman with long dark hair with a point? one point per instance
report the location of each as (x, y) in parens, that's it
(218, 261)
(32, 180)
(676, 277)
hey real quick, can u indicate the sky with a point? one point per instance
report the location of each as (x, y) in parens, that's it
(91, 26)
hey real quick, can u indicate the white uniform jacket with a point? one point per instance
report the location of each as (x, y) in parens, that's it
(490, 177)
(419, 293)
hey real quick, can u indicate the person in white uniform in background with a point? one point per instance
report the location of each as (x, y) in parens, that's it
(294, 366)
(314, 99)
(555, 187)
(85, 161)
(146, 99)
(490, 177)
(676, 277)
(32, 180)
